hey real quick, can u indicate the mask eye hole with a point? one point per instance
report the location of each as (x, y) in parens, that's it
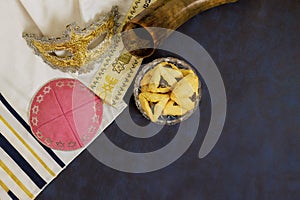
(95, 42)
(61, 53)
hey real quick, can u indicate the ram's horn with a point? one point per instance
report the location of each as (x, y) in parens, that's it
(141, 39)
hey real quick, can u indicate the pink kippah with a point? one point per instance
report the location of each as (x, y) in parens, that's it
(65, 114)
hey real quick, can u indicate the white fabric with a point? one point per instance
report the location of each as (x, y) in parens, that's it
(23, 73)
(15, 169)
(51, 17)
(10, 183)
(89, 9)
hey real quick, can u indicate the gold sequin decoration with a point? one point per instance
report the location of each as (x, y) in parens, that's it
(77, 50)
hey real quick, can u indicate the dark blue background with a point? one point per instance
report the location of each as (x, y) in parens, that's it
(256, 47)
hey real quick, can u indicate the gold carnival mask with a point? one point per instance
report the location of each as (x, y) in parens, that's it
(78, 49)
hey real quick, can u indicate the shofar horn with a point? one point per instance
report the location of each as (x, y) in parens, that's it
(141, 39)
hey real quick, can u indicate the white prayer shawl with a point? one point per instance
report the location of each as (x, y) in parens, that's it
(26, 166)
